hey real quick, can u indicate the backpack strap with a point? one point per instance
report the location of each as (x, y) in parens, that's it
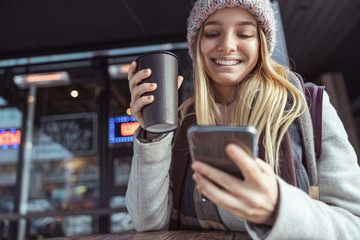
(314, 98)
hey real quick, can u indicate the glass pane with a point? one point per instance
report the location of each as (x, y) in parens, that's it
(120, 221)
(10, 138)
(121, 129)
(46, 227)
(77, 225)
(122, 167)
(4, 229)
(65, 168)
(64, 171)
(50, 227)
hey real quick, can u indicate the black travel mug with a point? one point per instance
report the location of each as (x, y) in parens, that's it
(161, 115)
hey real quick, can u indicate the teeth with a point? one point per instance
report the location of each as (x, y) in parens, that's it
(227, 62)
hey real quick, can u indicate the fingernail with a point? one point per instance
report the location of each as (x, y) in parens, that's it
(196, 177)
(231, 148)
(151, 97)
(153, 85)
(196, 166)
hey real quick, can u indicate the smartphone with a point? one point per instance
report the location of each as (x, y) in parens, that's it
(207, 144)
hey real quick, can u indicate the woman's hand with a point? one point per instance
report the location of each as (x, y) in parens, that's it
(137, 89)
(255, 198)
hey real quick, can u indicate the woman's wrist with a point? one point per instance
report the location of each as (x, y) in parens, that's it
(150, 136)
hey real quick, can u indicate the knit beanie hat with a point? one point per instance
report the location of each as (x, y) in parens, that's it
(202, 9)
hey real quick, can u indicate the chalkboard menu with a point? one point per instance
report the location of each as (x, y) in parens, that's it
(75, 132)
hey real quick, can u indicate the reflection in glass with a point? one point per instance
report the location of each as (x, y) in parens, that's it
(10, 138)
(64, 173)
(121, 221)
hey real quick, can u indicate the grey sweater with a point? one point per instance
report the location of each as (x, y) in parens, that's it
(334, 216)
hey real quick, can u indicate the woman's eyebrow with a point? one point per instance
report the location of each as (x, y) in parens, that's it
(244, 23)
(212, 23)
(241, 23)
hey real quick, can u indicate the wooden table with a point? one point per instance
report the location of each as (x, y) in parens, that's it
(162, 235)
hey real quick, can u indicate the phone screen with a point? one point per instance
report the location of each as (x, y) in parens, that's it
(207, 144)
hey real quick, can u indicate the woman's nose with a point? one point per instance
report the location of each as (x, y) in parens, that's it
(227, 44)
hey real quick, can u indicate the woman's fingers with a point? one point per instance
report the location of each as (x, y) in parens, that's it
(217, 176)
(138, 77)
(214, 193)
(241, 198)
(143, 74)
(248, 166)
(257, 174)
(132, 70)
(233, 185)
(236, 205)
(136, 109)
(138, 91)
(254, 198)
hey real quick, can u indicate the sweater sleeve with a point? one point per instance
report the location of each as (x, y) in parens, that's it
(148, 198)
(336, 214)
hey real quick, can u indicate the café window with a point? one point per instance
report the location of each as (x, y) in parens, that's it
(10, 138)
(121, 128)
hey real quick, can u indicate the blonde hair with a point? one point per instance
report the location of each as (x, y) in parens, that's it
(265, 100)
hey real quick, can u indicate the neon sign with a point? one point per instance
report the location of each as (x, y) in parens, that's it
(122, 129)
(10, 138)
(128, 129)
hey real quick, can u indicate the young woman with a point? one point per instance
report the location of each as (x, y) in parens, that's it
(286, 193)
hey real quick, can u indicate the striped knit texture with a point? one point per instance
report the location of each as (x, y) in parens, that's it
(202, 9)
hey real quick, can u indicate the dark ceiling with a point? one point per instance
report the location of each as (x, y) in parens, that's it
(47, 27)
(322, 35)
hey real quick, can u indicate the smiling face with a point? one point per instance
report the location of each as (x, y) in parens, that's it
(229, 47)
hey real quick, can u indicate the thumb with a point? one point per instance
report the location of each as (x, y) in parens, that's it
(180, 81)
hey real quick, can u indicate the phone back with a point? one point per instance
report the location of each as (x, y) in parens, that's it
(207, 144)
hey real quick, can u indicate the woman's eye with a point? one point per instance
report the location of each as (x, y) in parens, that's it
(244, 36)
(211, 35)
